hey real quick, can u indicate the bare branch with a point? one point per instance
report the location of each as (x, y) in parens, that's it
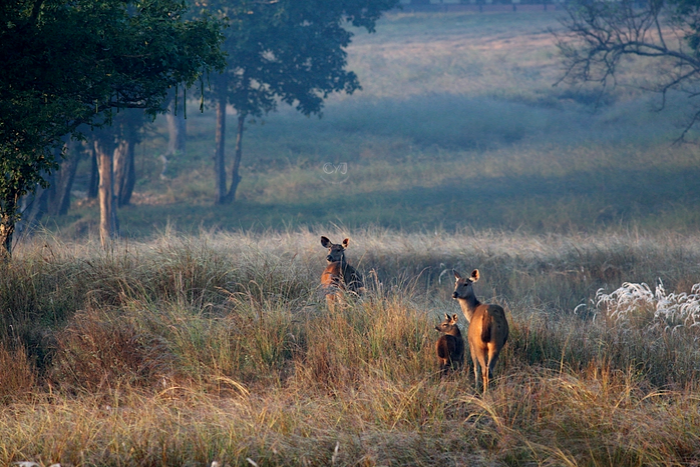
(597, 35)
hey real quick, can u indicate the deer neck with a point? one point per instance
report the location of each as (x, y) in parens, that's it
(469, 306)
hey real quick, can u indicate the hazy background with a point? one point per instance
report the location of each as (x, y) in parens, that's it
(459, 124)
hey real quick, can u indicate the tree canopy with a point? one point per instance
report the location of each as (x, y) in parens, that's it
(291, 51)
(73, 62)
(294, 51)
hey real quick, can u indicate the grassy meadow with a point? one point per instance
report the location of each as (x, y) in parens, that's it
(459, 124)
(218, 348)
(201, 339)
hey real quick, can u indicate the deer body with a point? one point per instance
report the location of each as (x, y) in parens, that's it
(488, 328)
(450, 346)
(339, 276)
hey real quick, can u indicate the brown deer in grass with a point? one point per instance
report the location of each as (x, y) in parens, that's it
(450, 346)
(488, 327)
(338, 277)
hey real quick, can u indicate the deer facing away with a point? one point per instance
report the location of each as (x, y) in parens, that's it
(450, 346)
(488, 327)
(339, 276)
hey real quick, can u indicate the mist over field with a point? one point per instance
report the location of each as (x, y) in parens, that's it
(201, 336)
(459, 124)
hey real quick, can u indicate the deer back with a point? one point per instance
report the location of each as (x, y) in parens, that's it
(352, 278)
(450, 347)
(488, 326)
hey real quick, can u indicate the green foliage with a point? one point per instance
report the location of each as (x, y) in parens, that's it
(70, 63)
(291, 50)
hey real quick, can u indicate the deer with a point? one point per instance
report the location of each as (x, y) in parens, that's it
(338, 277)
(450, 346)
(488, 327)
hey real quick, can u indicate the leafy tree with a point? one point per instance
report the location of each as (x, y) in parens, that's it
(293, 51)
(70, 62)
(599, 35)
(177, 123)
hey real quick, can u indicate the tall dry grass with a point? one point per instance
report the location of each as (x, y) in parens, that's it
(189, 350)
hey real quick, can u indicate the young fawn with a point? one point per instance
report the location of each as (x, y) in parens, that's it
(339, 276)
(450, 346)
(488, 328)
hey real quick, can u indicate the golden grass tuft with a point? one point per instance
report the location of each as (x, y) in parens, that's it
(18, 378)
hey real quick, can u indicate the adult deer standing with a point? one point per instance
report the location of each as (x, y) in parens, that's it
(488, 327)
(339, 276)
(450, 346)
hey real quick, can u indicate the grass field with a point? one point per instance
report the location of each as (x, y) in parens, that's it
(218, 348)
(458, 125)
(200, 338)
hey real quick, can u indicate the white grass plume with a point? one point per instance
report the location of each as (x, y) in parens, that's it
(670, 310)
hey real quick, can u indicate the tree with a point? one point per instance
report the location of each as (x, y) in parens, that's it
(55, 199)
(20, 173)
(128, 131)
(292, 51)
(176, 121)
(598, 35)
(70, 62)
(125, 130)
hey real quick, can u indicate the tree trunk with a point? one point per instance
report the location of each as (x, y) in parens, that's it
(129, 181)
(220, 154)
(44, 197)
(37, 206)
(121, 162)
(177, 126)
(127, 167)
(8, 218)
(7, 228)
(125, 155)
(104, 151)
(94, 173)
(235, 177)
(59, 204)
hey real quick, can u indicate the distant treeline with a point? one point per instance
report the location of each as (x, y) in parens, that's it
(478, 5)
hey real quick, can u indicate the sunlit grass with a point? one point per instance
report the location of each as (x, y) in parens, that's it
(190, 350)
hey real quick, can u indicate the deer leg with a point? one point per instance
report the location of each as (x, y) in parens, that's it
(484, 370)
(493, 358)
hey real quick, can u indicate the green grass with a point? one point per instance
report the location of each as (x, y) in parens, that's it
(537, 189)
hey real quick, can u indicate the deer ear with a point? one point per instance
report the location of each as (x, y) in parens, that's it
(346, 242)
(475, 275)
(325, 242)
(454, 318)
(447, 317)
(457, 275)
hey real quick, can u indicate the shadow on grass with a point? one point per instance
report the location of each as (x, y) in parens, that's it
(584, 202)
